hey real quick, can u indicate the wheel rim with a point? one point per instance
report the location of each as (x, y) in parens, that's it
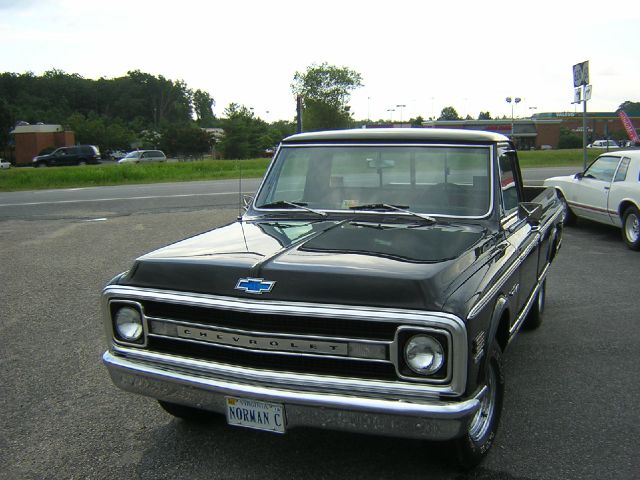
(631, 228)
(484, 416)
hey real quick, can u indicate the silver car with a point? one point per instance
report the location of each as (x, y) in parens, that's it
(144, 156)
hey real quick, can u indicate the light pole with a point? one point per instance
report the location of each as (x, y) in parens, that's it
(400, 107)
(391, 110)
(368, 109)
(514, 100)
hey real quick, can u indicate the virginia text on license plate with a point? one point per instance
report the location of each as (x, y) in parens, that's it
(249, 413)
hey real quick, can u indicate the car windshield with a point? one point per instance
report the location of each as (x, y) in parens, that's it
(135, 154)
(435, 180)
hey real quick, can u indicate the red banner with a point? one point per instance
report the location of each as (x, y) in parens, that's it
(628, 126)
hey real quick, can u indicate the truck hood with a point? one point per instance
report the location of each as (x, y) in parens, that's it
(335, 262)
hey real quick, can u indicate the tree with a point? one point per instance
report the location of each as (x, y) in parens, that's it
(569, 139)
(449, 113)
(416, 122)
(326, 90)
(484, 116)
(630, 107)
(245, 136)
(203, 105)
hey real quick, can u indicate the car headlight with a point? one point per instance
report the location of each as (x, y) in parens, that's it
(128, 324)
(424, 354)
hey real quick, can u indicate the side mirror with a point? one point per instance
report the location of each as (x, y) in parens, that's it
(578, 176)
(530, 211)
(247, 200)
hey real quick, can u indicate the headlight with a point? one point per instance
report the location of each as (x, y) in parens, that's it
(128, 324)
(424, 354)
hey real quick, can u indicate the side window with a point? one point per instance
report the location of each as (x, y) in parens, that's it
(146, 155)
(602, 168)
(507, 181)
(621, 175)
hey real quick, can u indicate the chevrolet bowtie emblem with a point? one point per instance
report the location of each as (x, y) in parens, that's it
(255, 285)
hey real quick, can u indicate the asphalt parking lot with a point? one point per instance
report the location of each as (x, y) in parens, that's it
(571, 399)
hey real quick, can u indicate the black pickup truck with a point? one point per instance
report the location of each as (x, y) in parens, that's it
(371, 286)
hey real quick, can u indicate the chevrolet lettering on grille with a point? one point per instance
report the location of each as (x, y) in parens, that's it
(264, 343)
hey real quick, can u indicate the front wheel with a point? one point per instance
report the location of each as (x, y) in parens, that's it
(474, 445)
(568, 217)
(535, 315)
(631, 228)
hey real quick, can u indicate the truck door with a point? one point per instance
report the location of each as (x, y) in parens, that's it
(591, 196)
(520, 234)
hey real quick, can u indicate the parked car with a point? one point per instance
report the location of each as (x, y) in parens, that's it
(144, 156)
(116, 154)
(4, 165)
(603, 144)
(371, 286)
(607, 192)
(77, 155)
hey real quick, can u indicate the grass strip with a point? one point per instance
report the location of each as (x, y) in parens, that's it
(15, 179)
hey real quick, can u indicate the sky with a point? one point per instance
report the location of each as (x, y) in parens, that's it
(424, 55)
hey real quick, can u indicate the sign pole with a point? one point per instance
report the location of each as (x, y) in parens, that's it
(584, 130)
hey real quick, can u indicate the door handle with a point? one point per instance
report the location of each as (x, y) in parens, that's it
(607, 188)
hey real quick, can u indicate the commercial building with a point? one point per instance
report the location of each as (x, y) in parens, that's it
(30, 140)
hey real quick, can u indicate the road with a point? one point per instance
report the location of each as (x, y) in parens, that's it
(571, 398)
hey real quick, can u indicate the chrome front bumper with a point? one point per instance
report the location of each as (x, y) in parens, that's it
(427, 419)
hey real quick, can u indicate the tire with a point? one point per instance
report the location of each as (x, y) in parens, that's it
(41, 165)
(183, 412)
(536, 314)
(631, 228)
(568, 217)
(82, 163)
(477, 441)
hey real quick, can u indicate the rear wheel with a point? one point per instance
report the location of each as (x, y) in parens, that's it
(535, 315)
(474, 445)
(82, 163)
(631, 228)
(41, 165)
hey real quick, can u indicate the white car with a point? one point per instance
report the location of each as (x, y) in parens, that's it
(608, 191)
(4, 164)
(603, 144)
(144, 156)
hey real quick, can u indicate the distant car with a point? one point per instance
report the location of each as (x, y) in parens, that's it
(603, 144)
(77, 155)
(607, 192)
(144, 156)
(117, 154)
(4, 165)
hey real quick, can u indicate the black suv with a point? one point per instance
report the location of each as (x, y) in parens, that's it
(78, 155)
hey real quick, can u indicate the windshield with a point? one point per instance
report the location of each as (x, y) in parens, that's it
(436, 180)
(135, 154)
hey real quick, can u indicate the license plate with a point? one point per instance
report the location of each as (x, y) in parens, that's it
(255, 414)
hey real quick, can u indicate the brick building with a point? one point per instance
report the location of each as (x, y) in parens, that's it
(544, 128)
(32, 139)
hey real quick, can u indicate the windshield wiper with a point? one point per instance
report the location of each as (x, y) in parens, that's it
(287, 204)
(395, 208)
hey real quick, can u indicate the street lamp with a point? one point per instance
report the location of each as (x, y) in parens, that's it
(391, 110)
(400, 107)
(515, 100)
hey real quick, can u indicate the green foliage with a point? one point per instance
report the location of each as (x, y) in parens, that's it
(484, 116)
(326, 90)
(630, 107)
(245, 136)
(185, 140)
(203, 104)
(449, 113)
(417, 122)
(568, 139)
(110, 113)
